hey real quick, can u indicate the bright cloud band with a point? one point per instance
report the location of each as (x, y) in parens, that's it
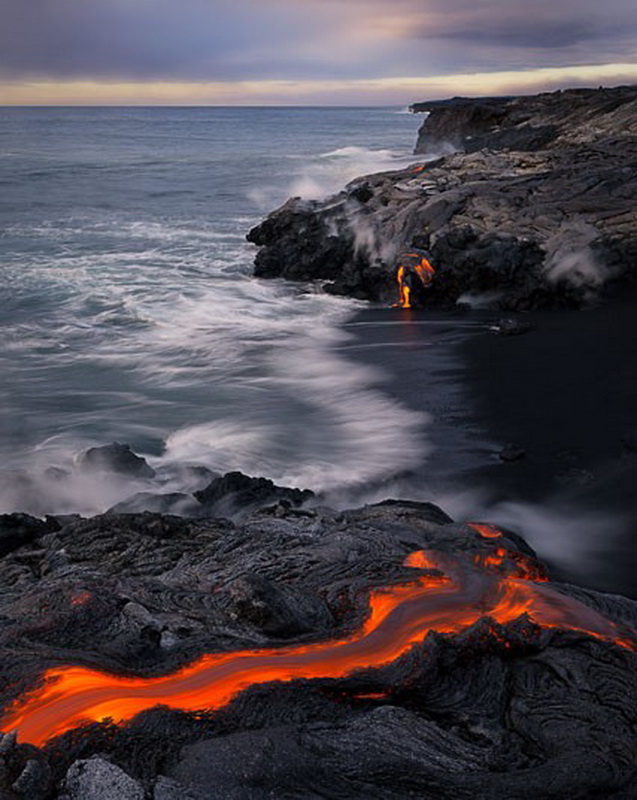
(398, 91)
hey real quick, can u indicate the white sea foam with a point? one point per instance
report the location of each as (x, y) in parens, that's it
(349, 432)
(326, 173)
(283, 401)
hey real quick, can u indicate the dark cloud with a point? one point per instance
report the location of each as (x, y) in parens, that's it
(544, 35)
(305, 39)
(542, 24)
(158, 39)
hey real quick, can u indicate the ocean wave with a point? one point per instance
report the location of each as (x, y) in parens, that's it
(118, 229)
(326, 173)
(340, 436)
(354, 152)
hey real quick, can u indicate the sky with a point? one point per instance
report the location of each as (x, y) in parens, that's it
(307, 52)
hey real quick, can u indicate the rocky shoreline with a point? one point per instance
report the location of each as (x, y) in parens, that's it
(531, 207)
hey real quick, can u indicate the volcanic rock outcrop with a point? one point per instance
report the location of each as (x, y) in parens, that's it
(384, 652)
(115, 457)
(535, 211)
(527, 123)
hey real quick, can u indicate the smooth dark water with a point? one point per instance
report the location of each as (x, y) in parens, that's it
(565, 393)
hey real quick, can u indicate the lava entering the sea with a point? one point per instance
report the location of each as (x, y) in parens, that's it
(412, 266)
(446, 595)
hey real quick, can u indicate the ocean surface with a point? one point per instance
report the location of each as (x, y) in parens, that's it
(129, 314)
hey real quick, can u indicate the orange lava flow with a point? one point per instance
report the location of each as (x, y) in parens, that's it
(80, 599)
(400, 616)
(371, 696)
(418, 265)
(404, 300)
(485, 530)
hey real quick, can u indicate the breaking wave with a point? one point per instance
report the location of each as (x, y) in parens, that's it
(319, 176)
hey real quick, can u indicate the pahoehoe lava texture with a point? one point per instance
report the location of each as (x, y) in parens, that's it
(513, 710)
(534, 210)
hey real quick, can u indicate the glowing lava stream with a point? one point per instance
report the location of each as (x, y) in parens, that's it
(417, 265)
(399, 617)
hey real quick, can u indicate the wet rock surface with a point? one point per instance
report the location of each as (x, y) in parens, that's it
(511, 327)
(235, 492)
(118, 458)
(496, 710)
(522, 227)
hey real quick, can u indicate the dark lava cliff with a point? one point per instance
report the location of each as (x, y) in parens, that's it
(525, 202)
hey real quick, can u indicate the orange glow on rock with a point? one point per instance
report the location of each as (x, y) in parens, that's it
(399, 617)
(80, 599)
(525, 567)
(419, 266)
(404, 290)
(485, 530)
(421, 560)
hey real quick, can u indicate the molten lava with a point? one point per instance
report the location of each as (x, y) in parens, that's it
(412, 265)
(454, 597)
(80, 599)
(523, 566)
(485, 530)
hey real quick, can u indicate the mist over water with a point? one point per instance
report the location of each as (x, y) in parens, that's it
(130, 313)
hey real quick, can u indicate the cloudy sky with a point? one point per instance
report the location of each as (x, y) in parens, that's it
(307, 51)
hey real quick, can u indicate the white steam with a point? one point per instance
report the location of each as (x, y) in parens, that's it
(574, 539)
(569, 256)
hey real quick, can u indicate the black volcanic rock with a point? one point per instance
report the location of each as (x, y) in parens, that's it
(427, 511)
(173, 503)
(277, 609)
(17, 530)
(235, 492)
(525, 123)
(512, 452)
(24, 770)
(115, 457)
(520, 227)
(98, 779)
(495, 710)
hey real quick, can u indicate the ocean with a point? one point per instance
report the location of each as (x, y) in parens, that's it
(130, 314)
